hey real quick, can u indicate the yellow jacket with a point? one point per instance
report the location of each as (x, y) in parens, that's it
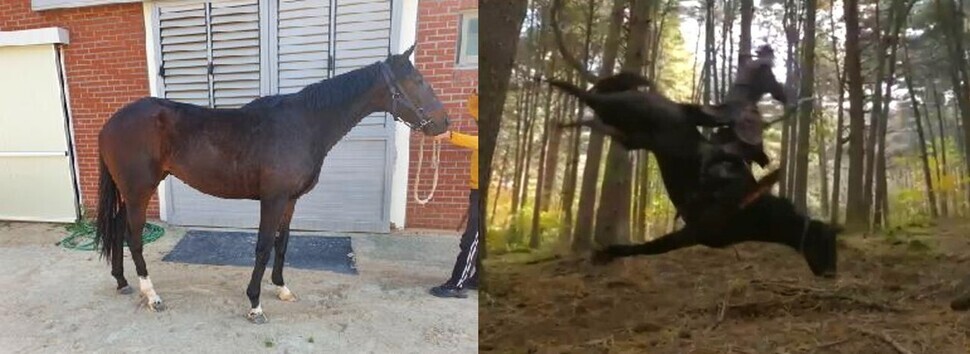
(470, 142)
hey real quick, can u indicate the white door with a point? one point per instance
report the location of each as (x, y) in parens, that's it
(225, 53)
(36, 172)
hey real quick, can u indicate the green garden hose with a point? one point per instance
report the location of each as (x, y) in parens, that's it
(82, 236)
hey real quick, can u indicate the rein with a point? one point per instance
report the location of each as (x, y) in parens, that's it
(399, 97)
(435, 154)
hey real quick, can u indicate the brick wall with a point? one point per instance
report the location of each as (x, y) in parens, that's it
(106, 68)
(437, 38)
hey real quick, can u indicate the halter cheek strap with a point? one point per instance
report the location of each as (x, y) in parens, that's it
(398, 97)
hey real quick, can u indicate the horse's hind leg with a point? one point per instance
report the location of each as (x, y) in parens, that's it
(137, 206)
(685, 237)
(280, 245)
(271, 213)
(118, 269)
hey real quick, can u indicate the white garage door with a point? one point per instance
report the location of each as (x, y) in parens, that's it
(226, 53)
(36, 172)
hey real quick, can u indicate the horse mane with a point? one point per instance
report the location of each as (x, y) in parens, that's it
(339, 89)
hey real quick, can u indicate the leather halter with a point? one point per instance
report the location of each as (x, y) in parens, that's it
(399, 97)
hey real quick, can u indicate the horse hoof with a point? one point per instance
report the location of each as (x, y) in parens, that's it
(286, 295)
(257, 318)
(126, 290)
(602, 257)
(156, 305)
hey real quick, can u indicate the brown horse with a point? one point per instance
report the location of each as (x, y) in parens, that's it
(269, 150)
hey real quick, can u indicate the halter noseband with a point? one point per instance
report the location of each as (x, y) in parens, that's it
(398, 96)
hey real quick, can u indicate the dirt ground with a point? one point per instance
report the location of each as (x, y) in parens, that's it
(890, 297)
(57, 300)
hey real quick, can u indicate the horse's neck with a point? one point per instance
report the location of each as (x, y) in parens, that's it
(342, 118)
(332, 122)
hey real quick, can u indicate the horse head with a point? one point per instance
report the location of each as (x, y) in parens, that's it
(819, 247)
(411, 99)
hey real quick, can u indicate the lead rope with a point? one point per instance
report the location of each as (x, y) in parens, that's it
(435, 153)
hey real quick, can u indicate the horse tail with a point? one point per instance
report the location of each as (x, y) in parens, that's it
(112, 220)
(624, 81)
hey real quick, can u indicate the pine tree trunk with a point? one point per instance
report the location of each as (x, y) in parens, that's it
(839, 143)
(613, 216)
(505, 16)
(807, 109)
(874, 119)
(583, 235)
(927, 176)
(941, 172)
(856, 217)
(536, 229)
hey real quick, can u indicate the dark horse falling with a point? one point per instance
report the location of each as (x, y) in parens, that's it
(269, 150)
(650, 121)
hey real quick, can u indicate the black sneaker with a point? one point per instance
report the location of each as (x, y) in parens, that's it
(448, 291)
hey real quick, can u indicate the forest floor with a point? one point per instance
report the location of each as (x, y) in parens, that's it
(892, 295)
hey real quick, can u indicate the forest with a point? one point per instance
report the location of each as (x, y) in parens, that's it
(877, 142)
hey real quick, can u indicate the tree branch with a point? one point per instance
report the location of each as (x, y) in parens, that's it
(569, 58)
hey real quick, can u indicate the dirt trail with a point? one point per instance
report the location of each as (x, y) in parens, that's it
(60, 301)
(888, 294)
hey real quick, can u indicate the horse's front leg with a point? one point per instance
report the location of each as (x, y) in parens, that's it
(281, 242)
(685, 237)
(271, 212)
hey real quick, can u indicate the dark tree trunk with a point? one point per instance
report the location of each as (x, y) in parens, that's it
(613, 216)
(807, 109)
(505, 18)
(572, 171)
(823, 175)
(856, 217)
(583, 236)
(744, 46)
(927, 176)
(839, 143)
(536, 229)
(874, 117)
(941, 172)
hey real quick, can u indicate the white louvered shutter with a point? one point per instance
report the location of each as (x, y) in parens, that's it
(303, 43)
(362, 36)
(234, 27)
(184, 53)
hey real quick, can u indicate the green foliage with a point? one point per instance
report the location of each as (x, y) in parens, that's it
(515, 236)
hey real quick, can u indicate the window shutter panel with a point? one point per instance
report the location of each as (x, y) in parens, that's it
(362, 37)
(304, 43)
(184, 54)
(234, 27)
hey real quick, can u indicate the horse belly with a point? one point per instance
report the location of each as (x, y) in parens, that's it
(216, 173)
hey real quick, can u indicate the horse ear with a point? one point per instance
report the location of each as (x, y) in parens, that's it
(407, 53)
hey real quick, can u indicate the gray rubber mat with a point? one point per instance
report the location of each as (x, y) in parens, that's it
(239, 249)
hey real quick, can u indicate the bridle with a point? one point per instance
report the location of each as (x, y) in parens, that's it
(399, 97)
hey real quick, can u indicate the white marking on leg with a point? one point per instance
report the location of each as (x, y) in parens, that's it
(149, 291)
(284, 293)
(258, 310)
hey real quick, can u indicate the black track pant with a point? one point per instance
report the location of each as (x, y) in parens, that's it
(465, 272)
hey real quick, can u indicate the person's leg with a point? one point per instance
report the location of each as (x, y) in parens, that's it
(464, 269)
